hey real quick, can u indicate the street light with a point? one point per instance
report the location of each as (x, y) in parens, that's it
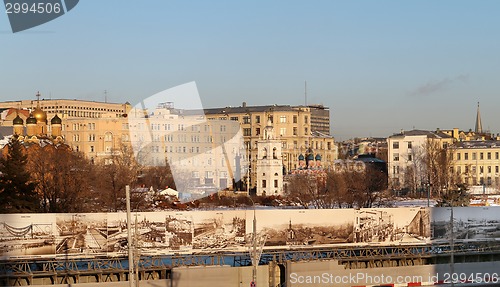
(254, 247)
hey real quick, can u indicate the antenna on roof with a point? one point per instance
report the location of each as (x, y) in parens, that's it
(305, 92)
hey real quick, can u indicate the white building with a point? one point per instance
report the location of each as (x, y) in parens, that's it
(406, 154)
(203, 154)
(269, 163)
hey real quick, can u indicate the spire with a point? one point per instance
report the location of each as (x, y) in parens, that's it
(479, 127)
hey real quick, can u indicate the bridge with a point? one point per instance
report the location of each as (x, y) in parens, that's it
(69, 269)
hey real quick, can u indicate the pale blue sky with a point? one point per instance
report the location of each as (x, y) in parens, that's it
(381, 66)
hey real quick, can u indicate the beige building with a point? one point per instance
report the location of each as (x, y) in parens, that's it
(293, 126)
(478, 162)
(70, 108)
(406, 152)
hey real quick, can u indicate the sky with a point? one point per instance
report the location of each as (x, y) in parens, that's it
(381, 66)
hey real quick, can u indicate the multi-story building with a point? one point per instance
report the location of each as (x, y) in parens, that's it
(99, 129)
(406, 153)
(293, 126)
(65, 108)
(204, 155)
(478, 162)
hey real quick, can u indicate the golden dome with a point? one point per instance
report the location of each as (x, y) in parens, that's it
(40, 116)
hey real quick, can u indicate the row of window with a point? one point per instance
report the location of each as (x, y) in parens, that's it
(282, 119)
(248, 132)
(395, 145)
(474, 155)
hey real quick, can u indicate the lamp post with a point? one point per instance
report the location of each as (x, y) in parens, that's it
(129, 239)
(254, 247)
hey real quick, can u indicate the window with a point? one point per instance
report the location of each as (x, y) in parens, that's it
(409, 145)
(481, 169)
(222, 128)
(282, 131)
(489, 169)
(496, 155)
(247, 132)
(305, 119)
(294, 131)
(489, 155)
(275, 183)
(410, 158)
(396, 157)
(234, 118)
(458, 156)
(306, 131)
(92, 138)
(271, 118)
(459, 169)
(466, 156)
(257, 131)
(264, 183)
(295, 144)
(257, 119)
(481, 157)
(246, 119)
(282, 119)
(395, 145)
(496, 169)
(295, 119)
(473, 156)
(395, 169)
(91, 148)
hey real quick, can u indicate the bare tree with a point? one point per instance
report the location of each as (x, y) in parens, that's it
(61, 177)
(120, 169)
(439, 167)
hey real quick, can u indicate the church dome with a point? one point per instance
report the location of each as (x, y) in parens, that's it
(31, 119)
(301, 157)
(318, 157)
(40, 116)
(18, 121)
(310, 157)
(55, 120)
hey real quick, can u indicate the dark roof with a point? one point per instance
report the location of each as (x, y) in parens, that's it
(368, 158)
(242, 110)
(429, 134)
(478, 144)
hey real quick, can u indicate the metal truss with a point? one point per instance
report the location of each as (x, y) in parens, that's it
(106, 269)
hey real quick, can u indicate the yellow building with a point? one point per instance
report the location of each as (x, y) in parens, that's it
(478, 162)
(299, 128)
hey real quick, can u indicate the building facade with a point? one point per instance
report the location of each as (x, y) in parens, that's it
(293, 126)
(406, 155)
(269, 163)
(478, 162)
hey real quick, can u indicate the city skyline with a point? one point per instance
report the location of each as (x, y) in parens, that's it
(380, 66)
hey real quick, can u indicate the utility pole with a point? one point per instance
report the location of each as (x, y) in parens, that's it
(129, 240)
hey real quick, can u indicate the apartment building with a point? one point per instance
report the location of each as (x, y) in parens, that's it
(478, 162)
(293, 126)
(406, 152)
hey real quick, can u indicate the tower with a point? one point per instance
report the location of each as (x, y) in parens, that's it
(18, 125)
(478, 128)
(269, 163)
(56, 126)
(41, 118)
